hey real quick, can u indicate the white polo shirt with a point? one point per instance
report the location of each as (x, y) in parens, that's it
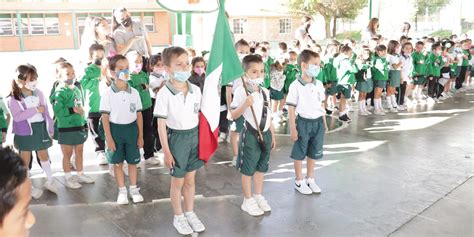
(122, 106)
(307, 98)
(239, 98)
(393, 59)
(181, 112)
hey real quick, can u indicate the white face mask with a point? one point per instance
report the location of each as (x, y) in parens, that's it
(31, 85)
(255, 83)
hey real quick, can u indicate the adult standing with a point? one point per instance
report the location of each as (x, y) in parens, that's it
(406, 29)
(370, 31)
(302, 33)
(97, 31)
(130, 35)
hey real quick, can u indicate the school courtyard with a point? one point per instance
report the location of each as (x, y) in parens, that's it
(405, 174)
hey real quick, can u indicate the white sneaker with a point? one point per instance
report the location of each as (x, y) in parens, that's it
(430, 100)
(82, 178)
(379, 112)
(182, 226)
(251, 207)
(402, 107)
(368, 112)
(262, 203)
(234, 161)
(370, 107)
(72, 183)
(363, 113)
(35, 192)
(136, 196)
(102, 158)
(393, 110)
(312, 185)
(194, 222)
(152, 161)
(51, 186)
(122, 198)
(301, 186)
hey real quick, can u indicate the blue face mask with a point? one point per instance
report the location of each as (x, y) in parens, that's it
(69, 81)
(181, 76)
(123, 75)
(313, 70)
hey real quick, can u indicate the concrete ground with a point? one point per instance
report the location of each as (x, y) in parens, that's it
(405, 174)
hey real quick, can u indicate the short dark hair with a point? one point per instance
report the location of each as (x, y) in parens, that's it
(169, 53)
(114, 60)
(154, 59)
(13, 173)
(95, 47)
(249, 59)
(306, 56)
(420, 43)
(283, 45)
(380, 48)
(241, 42)
(435, 45)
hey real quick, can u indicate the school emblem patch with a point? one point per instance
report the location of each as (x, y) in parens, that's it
(196, 108)
(133, 107)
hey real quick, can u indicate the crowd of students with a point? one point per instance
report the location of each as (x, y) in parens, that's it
(128, 102)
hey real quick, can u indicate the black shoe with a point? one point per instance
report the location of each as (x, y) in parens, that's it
(328, 112)
(345, 118)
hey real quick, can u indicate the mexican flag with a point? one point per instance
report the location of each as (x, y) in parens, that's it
(223, 67)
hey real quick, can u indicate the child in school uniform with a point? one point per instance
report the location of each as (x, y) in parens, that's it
(276, 89)
(157, 82)
(32, 125)
(198, 74)
(364, 80)
(67, 101)
(434, 65)
(4, 121)
(243, 49)
(380, 76)
(331, 75)
(445, 78)
(90, 84)
(394, 76)
(345, 74)
(465, 57)
(306, 98)
(419, 75)
(406, 75)
(139, 81)
(257, 138)
(122, 120)
(290, 72)
(268, 61)
(177, 108)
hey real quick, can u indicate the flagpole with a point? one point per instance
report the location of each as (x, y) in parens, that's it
(260, 135)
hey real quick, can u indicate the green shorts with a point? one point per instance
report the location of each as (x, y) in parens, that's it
(184, 146)
(332, 90)
(251, 157)
(419, 80)
(38, 141)
(72, 137)
(125, 137)
(237, 125)
(380, 83)
(310, 139)
(394, 78)
(276, 95)
(345, 90)
(365, 86)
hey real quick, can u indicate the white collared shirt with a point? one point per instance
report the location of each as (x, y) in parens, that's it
(122, 106)
(181, 112)
(307, 98)
(239, 98)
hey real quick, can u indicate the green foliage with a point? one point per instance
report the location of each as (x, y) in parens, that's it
(348, 9)
(355, 35)
(442, 33)
(430, 5)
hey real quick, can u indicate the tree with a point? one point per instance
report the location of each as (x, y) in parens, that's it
(328, 9)
(428, 6)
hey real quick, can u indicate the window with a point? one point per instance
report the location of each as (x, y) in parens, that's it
(6, 26)
(149, 21)
(36, 24)
(238, 26)
(285, 26)
(52, 24)
(24, 25)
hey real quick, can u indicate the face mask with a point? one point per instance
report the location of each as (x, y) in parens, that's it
(123, 75)
(199, 71)
(158, 71)
(182, 76)
(398, 51)
(138, 68)
(127, 22)
(313, 70)
(255, 83)
(69, 81)
(439, 52)
(31, 85)
(98, 62)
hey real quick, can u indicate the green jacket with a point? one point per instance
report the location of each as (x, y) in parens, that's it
(267, 67)
(419, 63)
(330, 70)
(64, 99)
(465, 62)
(434, 63)
(379, 69)
(345, 71)
(90, 86)
(139, 82)
(291, 71)
(3, 119)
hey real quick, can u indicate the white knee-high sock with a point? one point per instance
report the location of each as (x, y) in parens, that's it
(361, 105)
(47, 169)
(394, 101)
(378, 104)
